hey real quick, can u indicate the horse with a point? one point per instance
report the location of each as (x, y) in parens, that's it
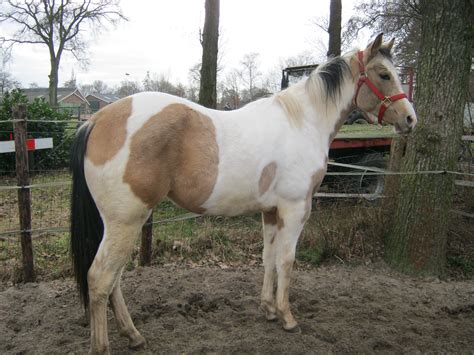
(269, 156)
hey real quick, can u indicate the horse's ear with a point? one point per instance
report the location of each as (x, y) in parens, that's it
(389, 45)
(373, 48)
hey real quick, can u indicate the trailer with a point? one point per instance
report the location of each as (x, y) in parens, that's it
(358, 144)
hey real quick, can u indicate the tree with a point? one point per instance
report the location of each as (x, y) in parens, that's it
(128, 87)
(416, 242)
(7, 82)
(99, 87)
(71, 83)
(249, 74)
(5, 55)
(231, 90)
(334, 28)
(59, 25)
(162, 84)
(398, 18)
(210, 47)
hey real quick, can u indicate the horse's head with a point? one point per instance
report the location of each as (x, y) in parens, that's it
(379, 91)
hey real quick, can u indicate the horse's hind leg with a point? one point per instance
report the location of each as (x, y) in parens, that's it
(122, 317)
(113, 253)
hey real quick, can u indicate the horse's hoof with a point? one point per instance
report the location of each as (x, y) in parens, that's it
(294, 330)
(137, 344)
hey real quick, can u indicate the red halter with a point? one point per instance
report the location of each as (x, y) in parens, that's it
(364, 79)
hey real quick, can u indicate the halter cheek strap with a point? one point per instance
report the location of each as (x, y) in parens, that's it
(386, 101)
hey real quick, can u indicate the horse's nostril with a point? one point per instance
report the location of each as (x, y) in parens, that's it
(409, 120)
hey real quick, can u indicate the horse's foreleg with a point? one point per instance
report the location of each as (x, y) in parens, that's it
(112, 255)
(292, 218)
(122, 317)
(269, 234)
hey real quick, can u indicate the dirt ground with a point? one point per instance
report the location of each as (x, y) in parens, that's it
(213, 310)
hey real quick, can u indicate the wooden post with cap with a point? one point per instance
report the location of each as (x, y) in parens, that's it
(24, 197)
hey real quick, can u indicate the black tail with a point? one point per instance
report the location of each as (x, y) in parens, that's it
(86, 224)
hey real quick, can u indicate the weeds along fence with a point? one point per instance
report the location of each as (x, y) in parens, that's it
(34, 203)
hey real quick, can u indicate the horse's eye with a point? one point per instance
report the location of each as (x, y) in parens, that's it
(384, 76)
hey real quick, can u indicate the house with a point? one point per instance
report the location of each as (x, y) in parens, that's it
(70, 99)
(98, 101)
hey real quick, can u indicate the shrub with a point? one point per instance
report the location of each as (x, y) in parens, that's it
(38, 110)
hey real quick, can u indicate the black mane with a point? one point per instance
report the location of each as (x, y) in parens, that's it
(386, 53)
(332, 75)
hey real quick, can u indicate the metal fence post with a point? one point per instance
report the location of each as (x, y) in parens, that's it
(147, 239)
(24, 198)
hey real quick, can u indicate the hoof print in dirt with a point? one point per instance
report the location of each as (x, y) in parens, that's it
(199, 304)
(381, 345)
(454, 311)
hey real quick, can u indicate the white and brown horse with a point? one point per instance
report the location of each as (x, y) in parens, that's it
(269, 156)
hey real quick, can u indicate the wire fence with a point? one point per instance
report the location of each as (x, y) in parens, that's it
(50, 188)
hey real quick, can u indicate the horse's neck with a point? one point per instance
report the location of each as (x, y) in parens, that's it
(328, 114)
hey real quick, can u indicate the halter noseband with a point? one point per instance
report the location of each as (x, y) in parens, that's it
(364, 79)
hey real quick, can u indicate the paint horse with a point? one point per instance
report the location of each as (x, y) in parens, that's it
(268, 156)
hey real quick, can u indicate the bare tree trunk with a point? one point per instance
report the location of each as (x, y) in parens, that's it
(334, 30)
(210, 37)
(416, 242)
(53, 76)
(53, 85)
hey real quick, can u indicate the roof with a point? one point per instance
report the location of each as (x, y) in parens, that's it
(108, 98)
(63, 93)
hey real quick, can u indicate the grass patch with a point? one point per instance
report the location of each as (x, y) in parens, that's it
(50, 257)
(461, 264)
(365, 131)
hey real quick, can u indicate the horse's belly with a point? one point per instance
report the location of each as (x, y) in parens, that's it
(235, 196)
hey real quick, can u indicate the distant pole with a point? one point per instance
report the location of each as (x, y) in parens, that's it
(147, 241)
(24, 198)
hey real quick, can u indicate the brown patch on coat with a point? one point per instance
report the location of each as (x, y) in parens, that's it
(316, 180)
(273, 217)
(109, 132)
(267, 177)
(174, 154)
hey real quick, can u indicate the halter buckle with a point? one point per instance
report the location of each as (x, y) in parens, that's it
(387, 101)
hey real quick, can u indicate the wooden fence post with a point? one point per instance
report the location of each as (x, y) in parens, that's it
(397, 151)
(147, 239)
(24, 198)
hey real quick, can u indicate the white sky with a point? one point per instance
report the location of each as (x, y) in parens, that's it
(162, 37)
